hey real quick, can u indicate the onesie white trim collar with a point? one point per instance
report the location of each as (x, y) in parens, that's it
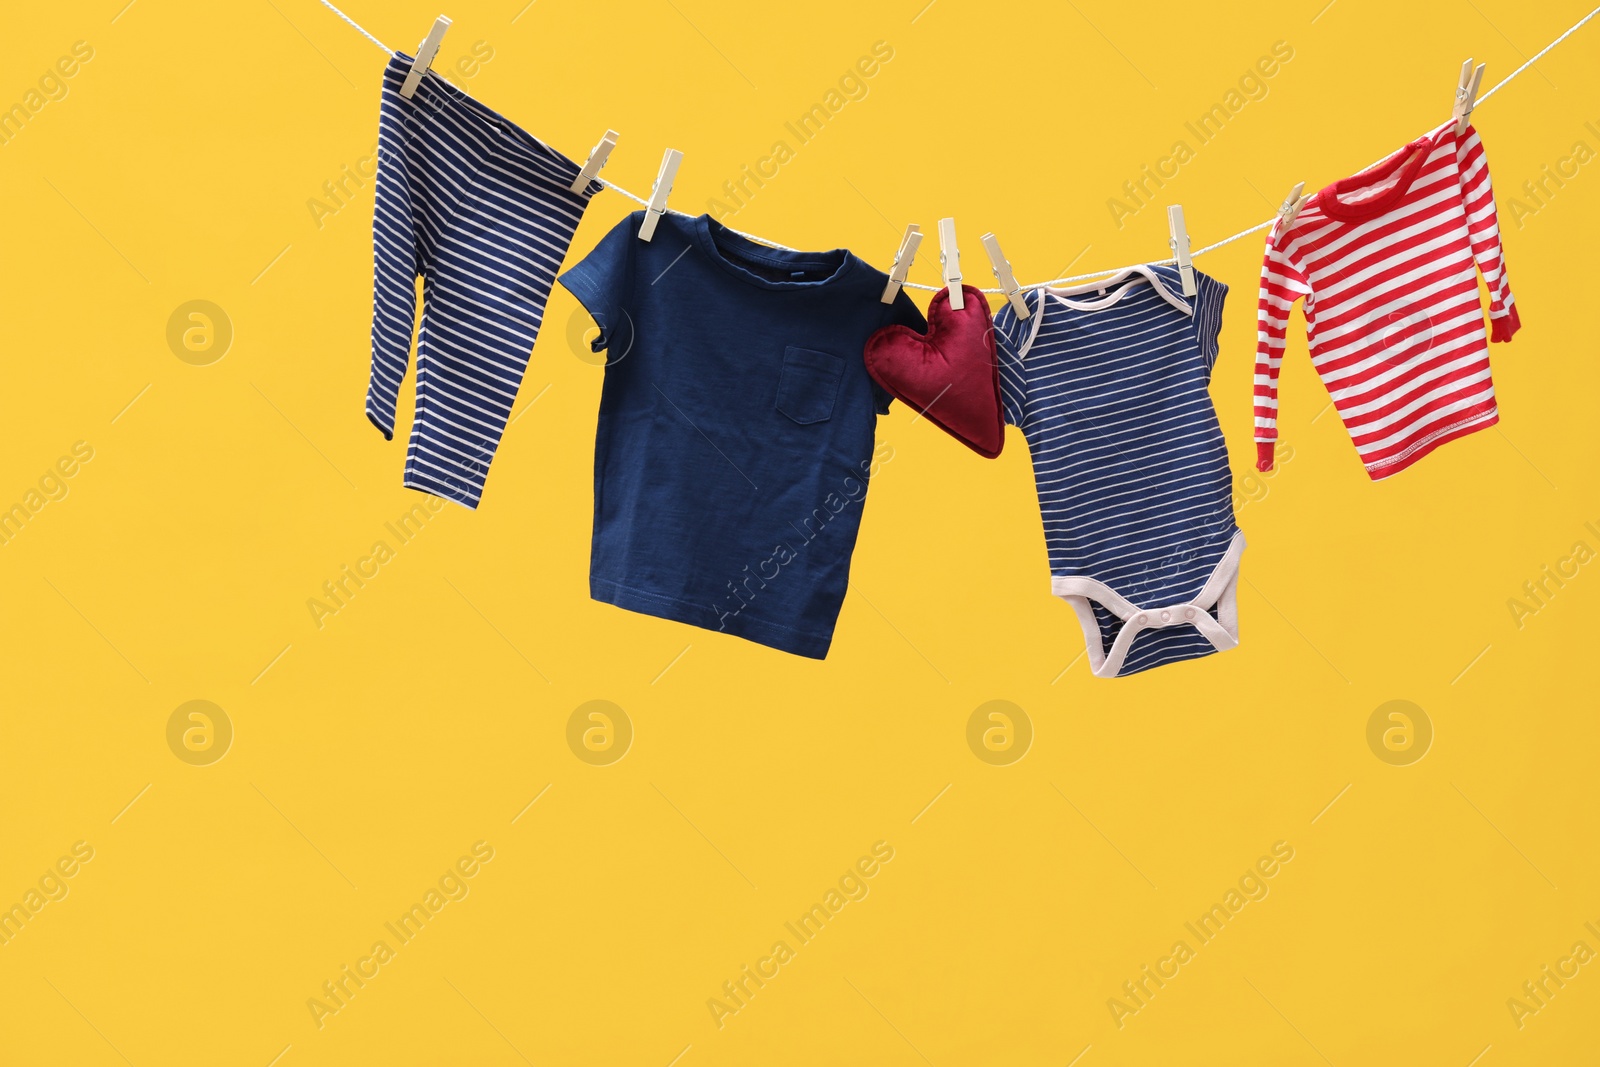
(1126, 280)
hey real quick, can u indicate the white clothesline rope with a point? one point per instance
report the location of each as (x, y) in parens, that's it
(1196, 254)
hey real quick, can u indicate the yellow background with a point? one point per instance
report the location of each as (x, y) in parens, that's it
(372, 752)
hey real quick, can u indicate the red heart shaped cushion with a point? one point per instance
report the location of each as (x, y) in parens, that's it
(950, 374)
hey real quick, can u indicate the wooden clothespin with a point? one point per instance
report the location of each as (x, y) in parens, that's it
(1003, 275)
(1467, 94)
(658, 193)
(597, 159)
(1291, 208)
(1179, 243)
(950, 261)
(902, 262)
(426, 51)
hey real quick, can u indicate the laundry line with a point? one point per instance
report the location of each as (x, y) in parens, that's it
(1196, 254)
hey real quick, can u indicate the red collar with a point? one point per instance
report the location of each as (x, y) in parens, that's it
(1407, 164)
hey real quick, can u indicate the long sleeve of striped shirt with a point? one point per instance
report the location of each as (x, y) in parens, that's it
(1387, 264)
(1283, 281)
(1483, 222)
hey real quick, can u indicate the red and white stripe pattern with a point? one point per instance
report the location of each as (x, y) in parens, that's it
(1388, 262)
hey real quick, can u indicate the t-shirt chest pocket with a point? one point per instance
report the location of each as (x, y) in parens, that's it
(809, 384)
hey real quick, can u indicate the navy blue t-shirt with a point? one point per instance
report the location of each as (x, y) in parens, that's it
(735, 438)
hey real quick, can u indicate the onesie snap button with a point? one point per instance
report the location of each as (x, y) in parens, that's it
(1189, 613)
(1166, 616)
(1141, 620)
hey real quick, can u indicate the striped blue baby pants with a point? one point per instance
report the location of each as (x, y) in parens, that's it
(482, 212)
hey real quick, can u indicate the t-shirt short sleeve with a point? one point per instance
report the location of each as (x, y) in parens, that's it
(1208, 300)
(603, 281)
(1010, 343)
(903, 312)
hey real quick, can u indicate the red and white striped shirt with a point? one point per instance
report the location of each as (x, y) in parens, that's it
(1388, 261)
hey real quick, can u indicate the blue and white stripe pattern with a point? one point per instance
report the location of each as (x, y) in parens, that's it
(483, 213)
(1109, 384)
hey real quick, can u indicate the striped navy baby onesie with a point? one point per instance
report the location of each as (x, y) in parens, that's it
(1109, 384)
(483, 213)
